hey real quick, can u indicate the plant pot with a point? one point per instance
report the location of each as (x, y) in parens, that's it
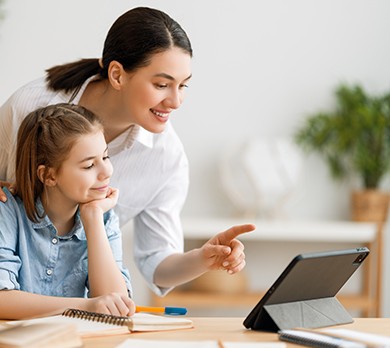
(370, 206)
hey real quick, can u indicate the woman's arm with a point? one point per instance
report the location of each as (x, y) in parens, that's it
(16, 304)
(104, 274)
(223, 251)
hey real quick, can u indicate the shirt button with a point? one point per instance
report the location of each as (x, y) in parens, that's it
(54, 240)
(49, 272)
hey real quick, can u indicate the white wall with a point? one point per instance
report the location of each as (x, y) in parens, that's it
(260, 67)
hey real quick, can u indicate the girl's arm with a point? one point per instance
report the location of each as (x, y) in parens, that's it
(16, 304)
(104, 274)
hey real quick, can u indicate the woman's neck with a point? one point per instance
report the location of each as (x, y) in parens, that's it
(102, 101)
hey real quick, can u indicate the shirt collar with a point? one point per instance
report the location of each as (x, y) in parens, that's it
(77, 229)
(145, 137)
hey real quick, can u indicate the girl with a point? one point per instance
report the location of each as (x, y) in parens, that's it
(133, 89)
(59, 237)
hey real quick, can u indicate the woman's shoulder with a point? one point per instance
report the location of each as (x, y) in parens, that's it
(33, 95)
(33, 88)
(24, 100)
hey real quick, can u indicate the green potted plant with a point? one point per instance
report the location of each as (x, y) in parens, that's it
(354, 139)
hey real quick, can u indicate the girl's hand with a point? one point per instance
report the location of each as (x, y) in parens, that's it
(10, 186)
(114, 304)
(226, 252)
(104, 204)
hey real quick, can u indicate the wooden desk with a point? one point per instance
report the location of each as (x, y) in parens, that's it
(228, 329)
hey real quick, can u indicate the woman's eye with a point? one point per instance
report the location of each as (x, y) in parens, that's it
(161, 86)
(106, 158)
(183, 86)
(89, 167)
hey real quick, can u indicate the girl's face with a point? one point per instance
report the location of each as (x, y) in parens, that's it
(151, 93)
(85, 174)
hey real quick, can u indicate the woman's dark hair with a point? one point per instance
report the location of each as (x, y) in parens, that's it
(132, 40)
(45, 137)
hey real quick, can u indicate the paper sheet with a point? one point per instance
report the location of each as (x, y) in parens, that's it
(369, 338)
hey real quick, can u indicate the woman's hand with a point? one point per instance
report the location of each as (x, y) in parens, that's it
(114, 304)
(226, 252)
(10, 186)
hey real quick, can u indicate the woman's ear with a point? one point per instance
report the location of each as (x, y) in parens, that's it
(46, 175)
(115, 74)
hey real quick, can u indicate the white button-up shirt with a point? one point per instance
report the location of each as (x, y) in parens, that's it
(150, 171)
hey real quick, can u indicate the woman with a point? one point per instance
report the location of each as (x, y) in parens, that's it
(60, 238)
(139, 81)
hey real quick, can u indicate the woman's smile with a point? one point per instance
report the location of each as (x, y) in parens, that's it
(161, 116)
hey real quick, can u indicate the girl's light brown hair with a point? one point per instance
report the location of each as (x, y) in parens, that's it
(46, 137)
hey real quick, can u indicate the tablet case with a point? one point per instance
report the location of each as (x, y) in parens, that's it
(304, 294)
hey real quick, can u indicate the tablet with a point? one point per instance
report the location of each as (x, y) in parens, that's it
(304, 294)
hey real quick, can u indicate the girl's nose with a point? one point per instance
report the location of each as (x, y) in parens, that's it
(106, 171)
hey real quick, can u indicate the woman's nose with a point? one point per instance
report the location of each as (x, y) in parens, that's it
(174, 100)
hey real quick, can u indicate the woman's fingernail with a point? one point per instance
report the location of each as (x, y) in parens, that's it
(225, 264)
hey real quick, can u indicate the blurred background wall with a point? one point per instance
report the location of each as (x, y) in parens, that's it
(259, 69)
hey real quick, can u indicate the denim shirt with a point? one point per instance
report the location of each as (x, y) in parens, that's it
(33, 258)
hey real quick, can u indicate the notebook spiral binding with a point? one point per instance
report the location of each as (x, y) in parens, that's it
(98, 317)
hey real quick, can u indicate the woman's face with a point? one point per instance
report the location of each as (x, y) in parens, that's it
(151, 93)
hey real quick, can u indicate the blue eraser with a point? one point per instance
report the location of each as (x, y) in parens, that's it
(175, 310)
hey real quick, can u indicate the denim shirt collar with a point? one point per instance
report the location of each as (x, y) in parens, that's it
(77, 229)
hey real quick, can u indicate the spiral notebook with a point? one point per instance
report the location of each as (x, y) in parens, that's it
(96, 324)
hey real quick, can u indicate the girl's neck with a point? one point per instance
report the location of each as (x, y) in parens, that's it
(61, 214)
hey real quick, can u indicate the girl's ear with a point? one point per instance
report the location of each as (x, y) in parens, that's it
(116, 74)
(46, 175)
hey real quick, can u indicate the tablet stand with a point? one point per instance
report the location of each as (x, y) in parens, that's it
(305, 314)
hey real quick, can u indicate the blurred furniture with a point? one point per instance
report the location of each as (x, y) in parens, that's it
(366, 301)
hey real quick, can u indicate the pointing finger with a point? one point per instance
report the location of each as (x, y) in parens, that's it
(235, 231)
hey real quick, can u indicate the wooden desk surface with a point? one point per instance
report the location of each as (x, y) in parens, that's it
(228, 329)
